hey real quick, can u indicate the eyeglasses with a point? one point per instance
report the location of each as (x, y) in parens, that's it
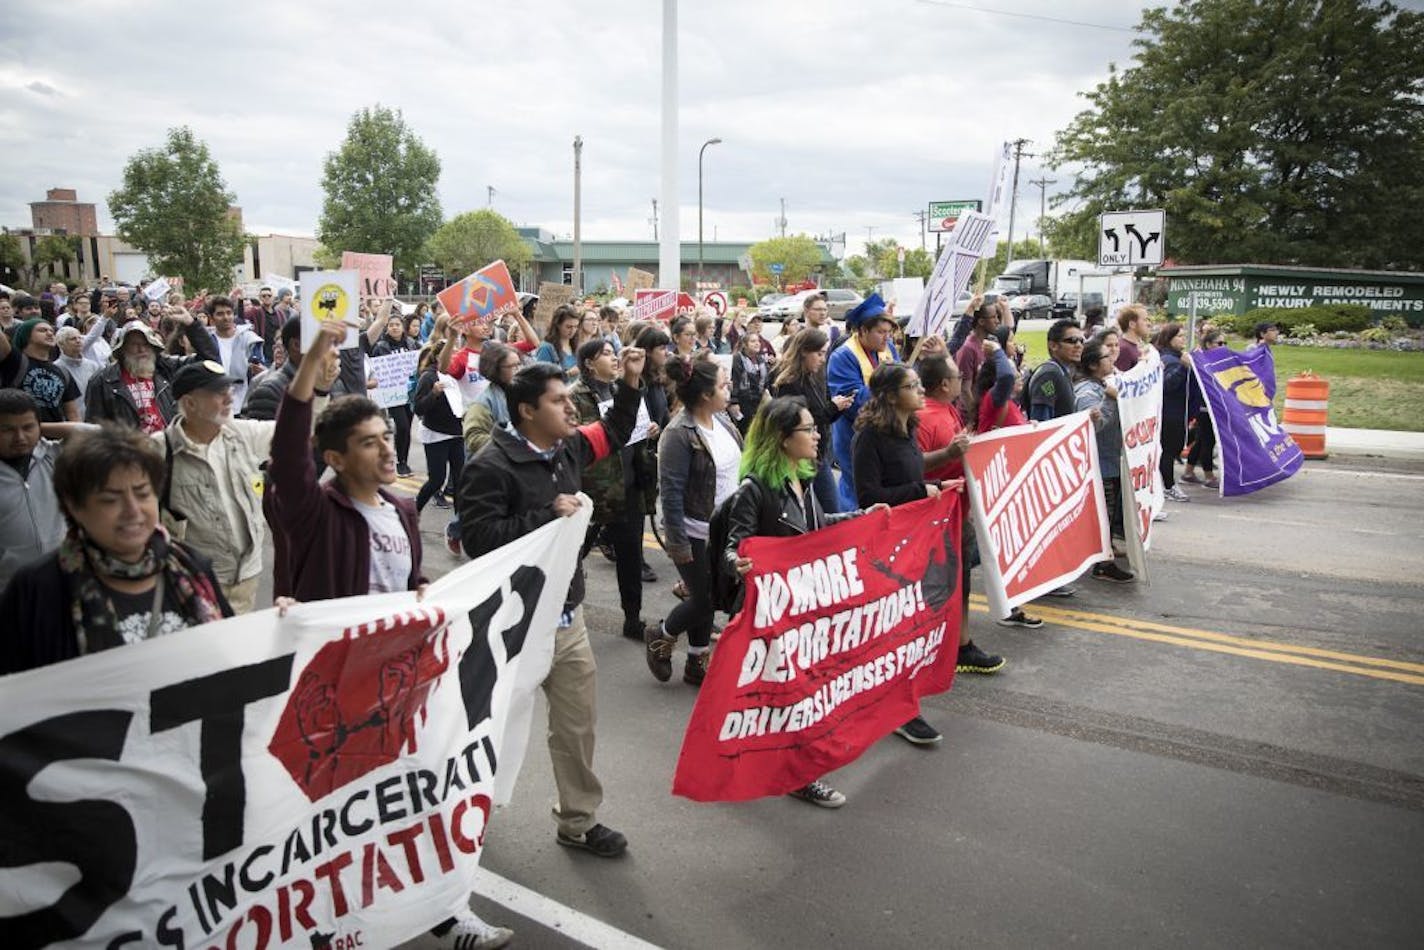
(914, 385)
(806, 429)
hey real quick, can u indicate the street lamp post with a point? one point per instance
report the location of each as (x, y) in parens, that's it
(700, 151)
(578, 245)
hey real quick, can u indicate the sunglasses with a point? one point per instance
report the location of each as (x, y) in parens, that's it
(1073, 340)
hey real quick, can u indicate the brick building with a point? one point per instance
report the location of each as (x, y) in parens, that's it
(63, 213)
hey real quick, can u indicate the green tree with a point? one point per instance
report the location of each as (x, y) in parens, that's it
(1284, 131)
(856, 267)
(325, 258)
(918, 263)
(174, 206)
(799, 256)
(54, 250)
(471, 240)
(1069, 237)
(380, 190)
(12, 256)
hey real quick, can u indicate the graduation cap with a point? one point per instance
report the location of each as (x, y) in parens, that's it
(865, 311)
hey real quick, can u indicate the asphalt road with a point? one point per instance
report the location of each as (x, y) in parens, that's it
(1229, 756)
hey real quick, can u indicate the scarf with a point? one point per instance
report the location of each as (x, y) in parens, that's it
(754, 368)
(861, 357)
(95, 620)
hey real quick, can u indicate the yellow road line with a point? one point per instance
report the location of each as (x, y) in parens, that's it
(1072, 617)
(1274, 657)
(1193, 638)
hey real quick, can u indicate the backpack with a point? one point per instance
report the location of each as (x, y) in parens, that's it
(725, 589)
(1025, 399)
(1026, 396)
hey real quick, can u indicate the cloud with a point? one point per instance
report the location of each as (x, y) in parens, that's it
(857, 114)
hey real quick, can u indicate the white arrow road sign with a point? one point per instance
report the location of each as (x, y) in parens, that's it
(1131, 238)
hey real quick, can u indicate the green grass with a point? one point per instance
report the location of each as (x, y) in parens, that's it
(1369, 389)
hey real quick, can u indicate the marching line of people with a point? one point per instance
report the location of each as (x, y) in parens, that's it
(152, 516)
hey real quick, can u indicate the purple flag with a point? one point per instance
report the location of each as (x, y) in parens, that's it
(1239, 387)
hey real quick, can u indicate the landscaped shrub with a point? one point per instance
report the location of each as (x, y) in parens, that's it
(1350, 317)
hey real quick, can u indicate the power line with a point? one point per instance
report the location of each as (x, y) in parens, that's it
(1028, 16)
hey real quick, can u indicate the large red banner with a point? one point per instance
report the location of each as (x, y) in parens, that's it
(842, 631)
(1037, 499)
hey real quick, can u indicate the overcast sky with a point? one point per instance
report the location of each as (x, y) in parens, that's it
(856, 113)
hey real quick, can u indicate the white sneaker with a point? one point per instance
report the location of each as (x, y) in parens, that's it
(1160, 516)
(469, 933)
(1176, 494)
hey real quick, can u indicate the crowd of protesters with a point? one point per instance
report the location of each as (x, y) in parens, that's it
(151, 447)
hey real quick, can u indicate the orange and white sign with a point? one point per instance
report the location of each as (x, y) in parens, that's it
(479, 296)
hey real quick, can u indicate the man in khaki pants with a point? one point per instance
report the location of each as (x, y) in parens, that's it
(524, 479)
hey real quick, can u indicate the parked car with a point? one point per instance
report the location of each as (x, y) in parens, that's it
(841, 300)
(1030, 306)
(1067, 305)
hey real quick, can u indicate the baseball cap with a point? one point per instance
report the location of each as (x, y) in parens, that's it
(204, 374)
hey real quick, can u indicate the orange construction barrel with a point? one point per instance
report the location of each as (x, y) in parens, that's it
(1306, 399)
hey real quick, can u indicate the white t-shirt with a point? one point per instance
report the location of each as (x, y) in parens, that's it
(390, 547)
(244, 338)
(727, 457)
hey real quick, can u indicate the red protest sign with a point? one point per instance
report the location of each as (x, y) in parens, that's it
(376, 272)
(480, 295)
(841, 633)
(1037, 499)
(662, 304)
(654, 304)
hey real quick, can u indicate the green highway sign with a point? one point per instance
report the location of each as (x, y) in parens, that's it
(943, 214)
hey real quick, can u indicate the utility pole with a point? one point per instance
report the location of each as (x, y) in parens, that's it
(1042, 184)
(922, 217)
(869, 235)
(578, 247)
(654, 220)
(1019, 155)
(489, 202)
(669, 247)
(781, 221)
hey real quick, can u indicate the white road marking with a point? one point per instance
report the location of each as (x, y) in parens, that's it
(1345, 471)
(573, 924)
(1306, 524)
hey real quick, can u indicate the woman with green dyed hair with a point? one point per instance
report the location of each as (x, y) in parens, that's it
(776, 499)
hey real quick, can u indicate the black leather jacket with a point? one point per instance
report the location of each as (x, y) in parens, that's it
(759, 511)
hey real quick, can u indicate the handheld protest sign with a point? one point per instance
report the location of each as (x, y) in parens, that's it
(551, 297)
(331, 295)
(479, 296)
(376, 270)
(1040, 518)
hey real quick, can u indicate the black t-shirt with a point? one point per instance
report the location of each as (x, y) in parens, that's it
(132, 611)
(49, 385)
